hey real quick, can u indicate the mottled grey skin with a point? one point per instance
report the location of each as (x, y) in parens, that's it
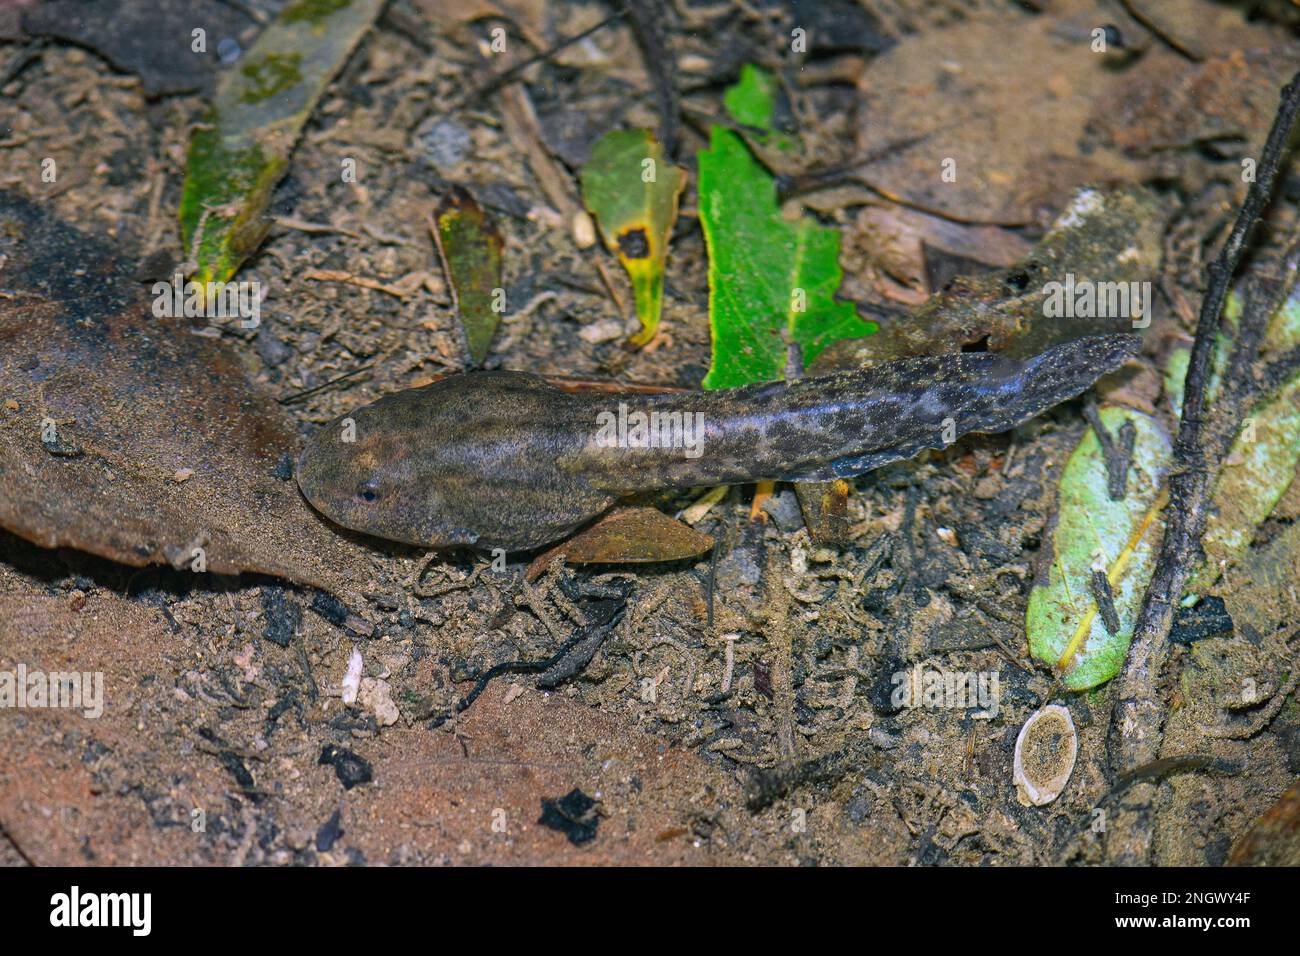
(502, 459)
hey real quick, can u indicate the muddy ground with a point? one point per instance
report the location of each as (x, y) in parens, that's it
(224, 738)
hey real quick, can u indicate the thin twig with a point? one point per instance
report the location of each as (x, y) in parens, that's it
(510, 74)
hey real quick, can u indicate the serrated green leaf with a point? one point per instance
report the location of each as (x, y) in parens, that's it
(632, 190)
(1121, 537)
(240, 152)
(771, 281)
(470, 248)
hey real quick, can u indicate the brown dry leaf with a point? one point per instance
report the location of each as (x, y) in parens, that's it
(1274, 840)
(1231, 97)
(1007, 101)
(50, 803)
(894, 240)
(825, 508)
(130, 400)
(627, 535)
(121, 789)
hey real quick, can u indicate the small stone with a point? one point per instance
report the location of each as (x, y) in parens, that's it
(605, 330)
(442, 142)
(183, 474)
(351, 685)
(784, 509)
(584, 230)
(351, 768)
(574, 814)
(272, 351)
(376, 696)
(228, 50)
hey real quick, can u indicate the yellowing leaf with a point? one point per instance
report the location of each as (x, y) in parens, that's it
(470, 248)
(240, 152)
(632, 190)
(1120, 538)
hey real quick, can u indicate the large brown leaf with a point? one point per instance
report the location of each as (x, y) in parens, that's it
(137, 402)
(999, 105)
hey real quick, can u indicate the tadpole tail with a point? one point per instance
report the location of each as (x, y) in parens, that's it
(848, 423)
(980, 392)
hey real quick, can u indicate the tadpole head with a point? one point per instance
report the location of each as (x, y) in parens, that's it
(352, 475)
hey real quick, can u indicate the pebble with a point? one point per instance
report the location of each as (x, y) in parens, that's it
(784, 509)
(272, 351)
(376, 696)
(606, 330)
(442, 142)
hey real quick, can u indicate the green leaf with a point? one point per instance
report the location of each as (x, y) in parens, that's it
(1261, 463)
(632, 190)
(771, 281)
(243, 147)
(1121, 538)
(470, 248)
(752, 102)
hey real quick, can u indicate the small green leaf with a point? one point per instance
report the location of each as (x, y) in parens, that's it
(632, 190)
(771, 281)
(470, 248)
(1120, 538)
(243, 147)
(752, 102)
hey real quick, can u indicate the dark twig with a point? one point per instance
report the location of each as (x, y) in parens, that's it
(509, 667)
(1105, 598)
(1118, 456)
(579, 657)
(509, 75)
(647, 18)
(574, 655)
(1137, 722)
(307, 392)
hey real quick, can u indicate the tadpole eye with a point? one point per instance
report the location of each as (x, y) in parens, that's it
(368, 491)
